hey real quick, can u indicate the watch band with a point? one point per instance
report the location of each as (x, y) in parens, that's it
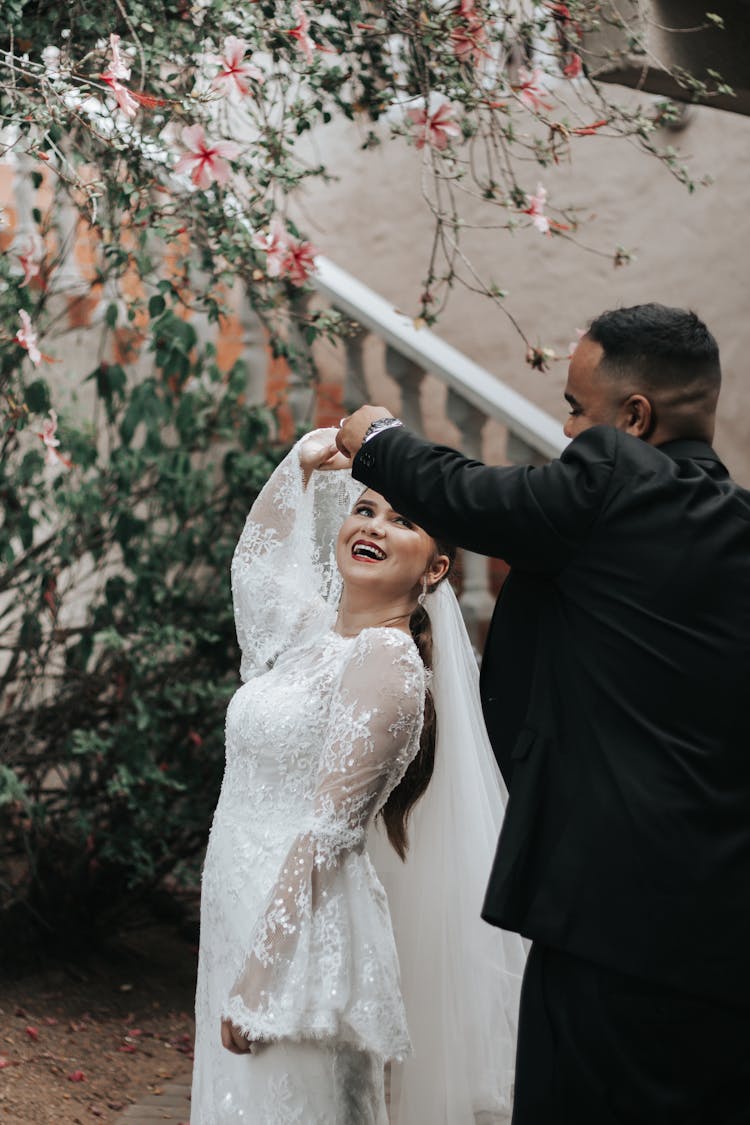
(378, 426)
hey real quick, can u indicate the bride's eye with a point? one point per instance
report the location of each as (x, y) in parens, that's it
(363, 510)
(404, 521)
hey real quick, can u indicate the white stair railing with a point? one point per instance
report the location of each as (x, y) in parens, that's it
(474, 396)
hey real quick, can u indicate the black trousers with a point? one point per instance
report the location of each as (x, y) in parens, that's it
(596, 1047)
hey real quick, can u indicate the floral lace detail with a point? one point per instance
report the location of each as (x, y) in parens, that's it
(281, 1107)
(284, 574)
(302, 968)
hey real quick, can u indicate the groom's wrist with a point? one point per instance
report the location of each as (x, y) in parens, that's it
(378, 426)
(367, 455)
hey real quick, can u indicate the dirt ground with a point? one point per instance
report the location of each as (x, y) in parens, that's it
(81, 1042)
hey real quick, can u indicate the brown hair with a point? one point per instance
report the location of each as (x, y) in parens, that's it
(395, 812)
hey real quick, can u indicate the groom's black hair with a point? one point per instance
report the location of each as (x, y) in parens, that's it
(661, 346)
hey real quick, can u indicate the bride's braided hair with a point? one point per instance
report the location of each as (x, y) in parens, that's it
(395, 812)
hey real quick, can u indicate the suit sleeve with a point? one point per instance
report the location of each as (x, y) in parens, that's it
(534, 518)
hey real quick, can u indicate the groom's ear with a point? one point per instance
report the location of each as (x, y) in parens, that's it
(637, 416)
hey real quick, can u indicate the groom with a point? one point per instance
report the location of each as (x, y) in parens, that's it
(616, 691)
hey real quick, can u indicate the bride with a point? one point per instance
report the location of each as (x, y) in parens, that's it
(342, 609)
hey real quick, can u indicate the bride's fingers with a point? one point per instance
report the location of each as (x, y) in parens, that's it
(233, 1039)
(331, 458)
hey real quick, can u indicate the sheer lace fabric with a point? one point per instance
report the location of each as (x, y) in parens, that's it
(296, 940)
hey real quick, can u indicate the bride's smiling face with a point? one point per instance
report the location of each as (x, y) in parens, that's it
(378, 546)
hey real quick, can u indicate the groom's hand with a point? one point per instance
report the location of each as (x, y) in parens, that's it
(352, 430)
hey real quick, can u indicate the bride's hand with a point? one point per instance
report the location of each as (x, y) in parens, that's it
(319, 451)
(234, 1041)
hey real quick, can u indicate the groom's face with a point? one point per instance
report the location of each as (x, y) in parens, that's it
(594, 398)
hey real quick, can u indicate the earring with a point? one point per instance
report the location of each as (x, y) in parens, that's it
(423, 595)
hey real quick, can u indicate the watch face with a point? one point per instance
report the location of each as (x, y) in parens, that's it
(380, 424)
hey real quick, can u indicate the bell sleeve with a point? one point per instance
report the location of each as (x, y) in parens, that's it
(322, 960)
(284, 577)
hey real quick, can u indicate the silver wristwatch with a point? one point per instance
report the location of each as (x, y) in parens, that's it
(378, 426)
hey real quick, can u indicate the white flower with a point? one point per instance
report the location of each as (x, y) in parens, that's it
(51, 60)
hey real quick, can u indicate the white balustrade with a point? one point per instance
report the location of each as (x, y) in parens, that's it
(355, 383)
(303, 380)
(474, 395)
(476, 598)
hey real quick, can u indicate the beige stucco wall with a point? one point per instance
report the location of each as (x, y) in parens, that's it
(692, 250)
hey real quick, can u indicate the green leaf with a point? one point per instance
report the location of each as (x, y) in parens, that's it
(11, 787)
(30, 467)
(78, 655)
(30, 635)
(37, 397)
(25, 527)
(156, 306)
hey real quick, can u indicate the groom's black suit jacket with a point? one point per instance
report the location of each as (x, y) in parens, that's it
(616, 692)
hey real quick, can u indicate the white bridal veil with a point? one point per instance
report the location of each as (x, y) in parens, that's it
(460, 977)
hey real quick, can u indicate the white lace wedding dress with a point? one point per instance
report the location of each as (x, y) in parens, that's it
(296, 942)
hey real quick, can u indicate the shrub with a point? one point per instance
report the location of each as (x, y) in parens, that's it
(118, 641)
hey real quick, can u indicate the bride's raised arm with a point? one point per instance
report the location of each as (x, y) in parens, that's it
(315, 966)
(282, 570)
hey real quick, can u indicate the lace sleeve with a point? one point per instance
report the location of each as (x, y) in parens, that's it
(284, 576)
(290, 986)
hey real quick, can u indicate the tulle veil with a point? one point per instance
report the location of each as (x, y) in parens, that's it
(460, 977)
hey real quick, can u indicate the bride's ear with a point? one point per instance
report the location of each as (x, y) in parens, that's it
(437, 570)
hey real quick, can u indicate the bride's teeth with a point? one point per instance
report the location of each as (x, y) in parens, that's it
(366, 551)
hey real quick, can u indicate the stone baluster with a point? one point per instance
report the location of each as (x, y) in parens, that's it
(24, 194)
(68, 283)
(519, 452)
(476, 600)
(254, 351)
(355, 382)
(303, 379)
(409, 376)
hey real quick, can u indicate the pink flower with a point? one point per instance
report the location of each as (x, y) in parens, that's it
(204, 158)
(235, 71)
(530, 89)
(434, 129)
(51, 442)
(127, 100)
(299, 262)
(27, 338)
(275, 245)
(304, 43)
(535, 208)
(117, 68)
(574, 67)
(469, 36)
(30, 255)
(286, 256)
(560, 11)
(116, 71)
(49, 431)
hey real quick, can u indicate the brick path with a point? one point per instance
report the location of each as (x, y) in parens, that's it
(171, 1104)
